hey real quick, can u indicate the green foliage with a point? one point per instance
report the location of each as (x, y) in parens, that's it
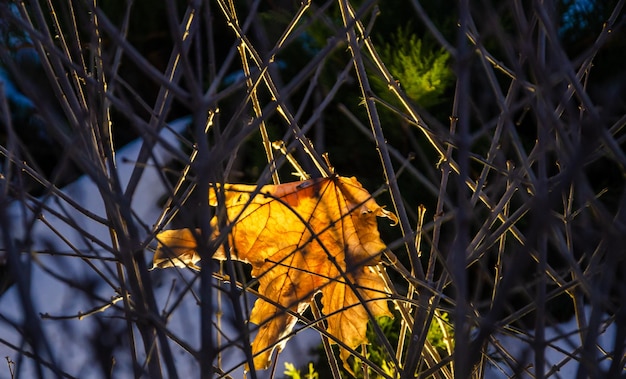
(292, 372)
(422, 71)
(440, 333)
(376, 353)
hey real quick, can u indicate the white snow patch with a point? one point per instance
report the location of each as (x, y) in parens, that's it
(561, 355)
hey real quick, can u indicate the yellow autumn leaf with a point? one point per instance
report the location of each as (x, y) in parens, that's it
(300, 238)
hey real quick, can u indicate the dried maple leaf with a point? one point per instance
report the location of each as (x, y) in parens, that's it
(300, 238)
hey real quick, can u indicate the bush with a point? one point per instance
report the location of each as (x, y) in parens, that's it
(493, 137)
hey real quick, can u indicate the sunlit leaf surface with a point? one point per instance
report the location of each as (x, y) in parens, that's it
(300, 238)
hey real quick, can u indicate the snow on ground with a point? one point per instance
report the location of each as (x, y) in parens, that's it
(563, 340)
(52, 293)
